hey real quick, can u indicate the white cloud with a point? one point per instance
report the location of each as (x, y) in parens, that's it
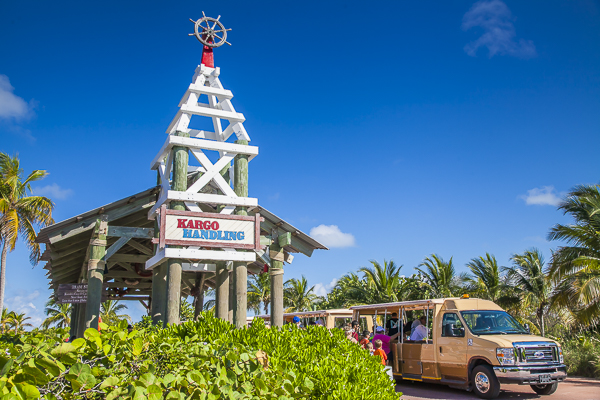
(11, 105)
(24, 304)
(54, 192)
(322, 290)
(331, 236)
(499, 34)
(544, 196)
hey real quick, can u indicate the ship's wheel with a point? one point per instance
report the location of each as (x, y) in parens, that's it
(210, 31)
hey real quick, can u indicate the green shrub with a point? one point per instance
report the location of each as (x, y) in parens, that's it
(208, 359)
(582, 355)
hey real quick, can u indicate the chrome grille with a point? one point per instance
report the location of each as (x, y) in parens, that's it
(536, 352)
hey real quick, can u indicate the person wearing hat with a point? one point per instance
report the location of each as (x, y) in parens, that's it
(297, 321)
(385, 341)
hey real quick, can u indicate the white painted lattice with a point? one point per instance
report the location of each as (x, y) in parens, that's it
(205, 86)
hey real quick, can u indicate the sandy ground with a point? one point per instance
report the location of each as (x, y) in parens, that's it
(571, 389)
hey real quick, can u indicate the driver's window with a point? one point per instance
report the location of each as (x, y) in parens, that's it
(452, 326)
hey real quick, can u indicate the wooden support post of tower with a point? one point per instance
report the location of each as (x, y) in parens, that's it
(199, 298)
(159, 282)
(276, 273)
(95, 272)
(179, 183)
(222, 290)
(240, 269)
(231, 292)
(74, 320)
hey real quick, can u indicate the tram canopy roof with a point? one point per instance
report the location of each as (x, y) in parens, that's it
(371, 309)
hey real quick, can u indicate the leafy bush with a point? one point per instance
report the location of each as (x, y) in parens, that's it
(208, 359)
(582, 355)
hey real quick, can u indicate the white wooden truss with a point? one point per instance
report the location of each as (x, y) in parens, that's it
(205, 97)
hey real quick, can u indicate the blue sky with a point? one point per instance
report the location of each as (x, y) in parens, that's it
(449, 127)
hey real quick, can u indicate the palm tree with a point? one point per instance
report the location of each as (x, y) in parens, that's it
(575, 268)
(19, 213)
(297, 296)
(384, 282)
(58, 314)
(17, 321)
(110, 312)
(531, 283)
(487, 282)
(439, 276)
(4, 320)
(186, 311)
(259, 292)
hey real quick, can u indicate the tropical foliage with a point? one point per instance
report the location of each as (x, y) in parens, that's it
(59, 315)
(575, 267)
(20, 212)
(297, 296)
(259, 293)
(205, 359)
(110, 312)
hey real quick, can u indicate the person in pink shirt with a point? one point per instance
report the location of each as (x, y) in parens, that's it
(385, 341)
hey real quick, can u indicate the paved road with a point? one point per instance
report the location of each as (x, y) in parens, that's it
(571, 389)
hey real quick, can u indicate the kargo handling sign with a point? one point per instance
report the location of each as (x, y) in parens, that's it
(187, 228)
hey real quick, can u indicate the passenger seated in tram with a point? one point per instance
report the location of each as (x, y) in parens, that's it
(421, 332)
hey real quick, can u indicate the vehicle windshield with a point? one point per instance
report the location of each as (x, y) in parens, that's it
(492, 323)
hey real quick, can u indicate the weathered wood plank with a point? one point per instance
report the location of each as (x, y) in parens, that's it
(131, 258)
(116, 247)
(285, 239)
(140, 247)
(130, 232)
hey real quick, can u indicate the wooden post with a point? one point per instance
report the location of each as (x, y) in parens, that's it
(74, 320)
(159, 282)
(179, 183)
(159, 291)
(95, 274)
(240, 269)
(199, 298)
(276, 273)
(232, 299)
(222, 291)
(80, 320)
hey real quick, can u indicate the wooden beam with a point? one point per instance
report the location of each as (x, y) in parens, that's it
(141, 285)
(266, 240)
(131, 258)
(202, 198)
(193, 254)
(131, 232)
(140, 247)
(122, 274)
(285, 239)
(195, 143)
(296, 244)
(116, 247)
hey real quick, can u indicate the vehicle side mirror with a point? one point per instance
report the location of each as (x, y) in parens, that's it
(527, 328)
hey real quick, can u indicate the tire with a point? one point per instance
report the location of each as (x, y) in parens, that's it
(484, 382)
(545, 390)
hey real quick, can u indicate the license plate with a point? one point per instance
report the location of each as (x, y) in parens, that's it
(545, 379)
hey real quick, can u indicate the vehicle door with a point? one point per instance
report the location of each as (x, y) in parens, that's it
(451, 347)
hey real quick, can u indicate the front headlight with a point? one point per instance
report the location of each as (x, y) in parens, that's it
(505, 355)
(561, 359)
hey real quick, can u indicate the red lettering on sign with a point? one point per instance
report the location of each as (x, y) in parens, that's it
(199, 224)
(215, 225)
(190, 224)
(181, 223)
